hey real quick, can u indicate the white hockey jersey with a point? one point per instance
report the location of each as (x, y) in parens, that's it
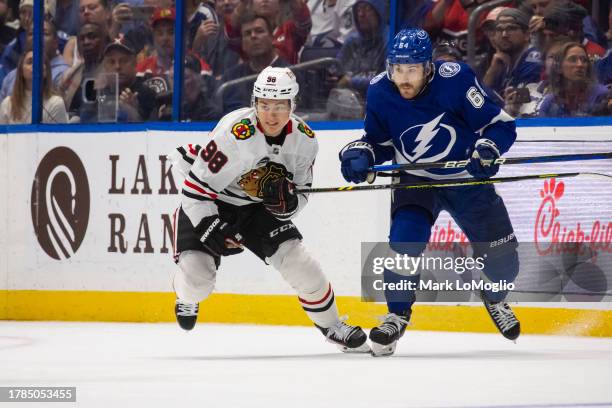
(236, 146)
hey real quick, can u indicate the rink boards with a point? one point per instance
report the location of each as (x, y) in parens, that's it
(87, 230)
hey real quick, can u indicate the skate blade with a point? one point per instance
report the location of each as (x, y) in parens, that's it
(364, 348)
(379, 350)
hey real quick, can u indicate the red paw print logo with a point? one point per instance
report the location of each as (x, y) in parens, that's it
(548, 212)
(553, 189)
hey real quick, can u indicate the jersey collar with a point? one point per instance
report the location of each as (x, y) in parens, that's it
(280, 139)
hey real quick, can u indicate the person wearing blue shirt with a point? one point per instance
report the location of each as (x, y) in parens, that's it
(424, 111)
(515, 63)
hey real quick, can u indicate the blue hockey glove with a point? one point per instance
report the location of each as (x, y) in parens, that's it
(481, 163)
(355, 160)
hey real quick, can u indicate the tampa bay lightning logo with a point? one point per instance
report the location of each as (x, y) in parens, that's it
(428, 142)
(449, 69)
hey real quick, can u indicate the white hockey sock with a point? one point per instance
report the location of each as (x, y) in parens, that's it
(320, 306)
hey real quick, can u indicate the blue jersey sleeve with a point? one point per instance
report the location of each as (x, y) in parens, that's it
(471, 102)
(377, 133)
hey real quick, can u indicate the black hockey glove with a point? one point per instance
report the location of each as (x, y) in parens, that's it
(279, 197)
(218, 237)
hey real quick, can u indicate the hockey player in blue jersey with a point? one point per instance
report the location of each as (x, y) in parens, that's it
(421, 111)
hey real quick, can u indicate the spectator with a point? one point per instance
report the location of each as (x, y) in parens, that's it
(208, 35)
(17, 108)
(603, 66)
(7, 33)
(135, 102)
(26, 12)
(197, 105)
(537, 9)
(50, 42)
(332, 21)
(290, 21)
(160, 63)
(157, 69)
(487, 47)
(12, 52)
(564, 17)
(519, 103)
(129, 21)
(67, 17)
(259, 51)
(446, 51)
(202, 23)
(415, 12)
(91, 11)
(448, 19)
(515, 64)
(363, 54)
(91, 41)
(536, 23)
(133, 23)
(573, 91)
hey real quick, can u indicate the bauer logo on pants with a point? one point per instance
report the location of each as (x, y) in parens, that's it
(60, 203)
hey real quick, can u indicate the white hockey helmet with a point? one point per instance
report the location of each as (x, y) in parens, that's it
(276, 83)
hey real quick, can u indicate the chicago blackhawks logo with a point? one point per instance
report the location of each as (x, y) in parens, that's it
(302, 127)
(60, 203)
(243, 129)
(253, 181)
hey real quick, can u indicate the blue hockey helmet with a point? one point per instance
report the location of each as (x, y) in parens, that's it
(410, 46)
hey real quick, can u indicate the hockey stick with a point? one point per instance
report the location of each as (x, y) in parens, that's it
(449, 183)
(502, 161)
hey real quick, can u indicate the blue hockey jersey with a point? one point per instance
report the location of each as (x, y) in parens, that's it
(442, 123)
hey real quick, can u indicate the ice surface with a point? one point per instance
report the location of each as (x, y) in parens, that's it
(159, 365)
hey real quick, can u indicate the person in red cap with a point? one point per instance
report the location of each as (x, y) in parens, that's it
(157, 69)
(160, 63)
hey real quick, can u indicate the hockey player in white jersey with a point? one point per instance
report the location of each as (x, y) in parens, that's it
(240, 191)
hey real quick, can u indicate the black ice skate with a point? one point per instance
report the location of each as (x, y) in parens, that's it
(186, 314)
(385, 337)
(503, 317)
(349, 339)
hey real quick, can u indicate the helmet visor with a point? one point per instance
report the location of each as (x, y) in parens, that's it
(406, 72)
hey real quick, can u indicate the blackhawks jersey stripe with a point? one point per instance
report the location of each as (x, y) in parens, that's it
(240, 197)
(202, 183)
(200, 189)
(195, 196)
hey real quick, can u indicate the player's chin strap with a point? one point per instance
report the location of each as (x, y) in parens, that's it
(451, 183)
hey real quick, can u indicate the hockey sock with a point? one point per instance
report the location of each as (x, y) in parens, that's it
(320, 306)
(399, 301)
